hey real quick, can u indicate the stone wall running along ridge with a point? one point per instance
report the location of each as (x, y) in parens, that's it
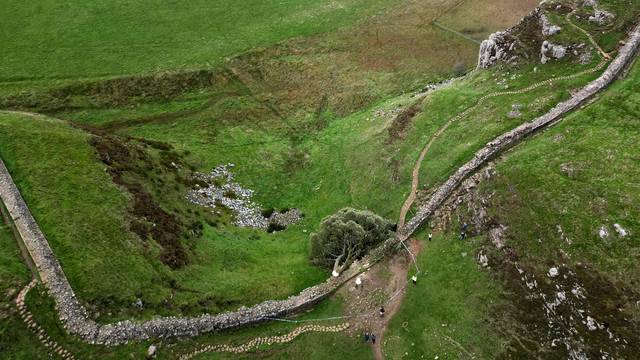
(508, 139)
(74, 316)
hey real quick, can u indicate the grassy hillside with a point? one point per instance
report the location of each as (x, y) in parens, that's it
(446, 314)
(79, 39)
(302, 120)
(77, 206)
(554, 192)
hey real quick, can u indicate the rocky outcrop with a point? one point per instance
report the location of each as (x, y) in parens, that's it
(508, 46)
(548, 29)
(74, 316)
(550, 51)
(498, 47)
(600, 16)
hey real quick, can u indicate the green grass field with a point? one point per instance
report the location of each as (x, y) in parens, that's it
(532, 195)
(81, 39)
(302, 97)
(15, 338)
(449, 305)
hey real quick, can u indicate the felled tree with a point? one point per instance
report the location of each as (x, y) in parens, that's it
(346, 236)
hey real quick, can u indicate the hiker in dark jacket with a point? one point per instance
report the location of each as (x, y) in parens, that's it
(373, 339)
(366, 336)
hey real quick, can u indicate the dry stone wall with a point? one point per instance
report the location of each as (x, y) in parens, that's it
(74, 316)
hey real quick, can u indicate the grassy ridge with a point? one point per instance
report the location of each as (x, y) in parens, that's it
(578, 175)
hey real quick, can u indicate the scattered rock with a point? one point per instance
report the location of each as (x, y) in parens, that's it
(585, 57)
(601, 17)
(151, 352)
(620, 230)
(222, 190)
(496, 235)
(553, 272)
(483, 259)
(563, 236)
(603, 232)
(515, 111)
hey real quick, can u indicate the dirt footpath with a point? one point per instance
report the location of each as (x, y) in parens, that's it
(382, 285)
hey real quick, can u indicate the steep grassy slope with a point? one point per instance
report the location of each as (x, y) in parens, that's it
(579, 176)
(310, 123)
(447, 315)
(78, 207)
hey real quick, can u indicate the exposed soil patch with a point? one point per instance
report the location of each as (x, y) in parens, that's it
(400, 124)
(383, 281)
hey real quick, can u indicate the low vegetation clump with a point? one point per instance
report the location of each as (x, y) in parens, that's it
(347, 236)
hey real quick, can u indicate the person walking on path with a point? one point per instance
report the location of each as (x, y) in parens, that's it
(414, 279)
(463, 233)
(373, 339)
(366, 336)
(430, 236)
(358, 282)
(382, 311)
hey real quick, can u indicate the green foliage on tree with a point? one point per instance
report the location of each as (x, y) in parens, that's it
(346, 236)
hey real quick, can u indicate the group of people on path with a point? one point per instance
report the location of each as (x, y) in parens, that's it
(369, 337)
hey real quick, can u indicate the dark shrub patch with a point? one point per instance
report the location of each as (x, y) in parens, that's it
(266, 213)
(273, 227)
(399, 126)
(150, 220)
